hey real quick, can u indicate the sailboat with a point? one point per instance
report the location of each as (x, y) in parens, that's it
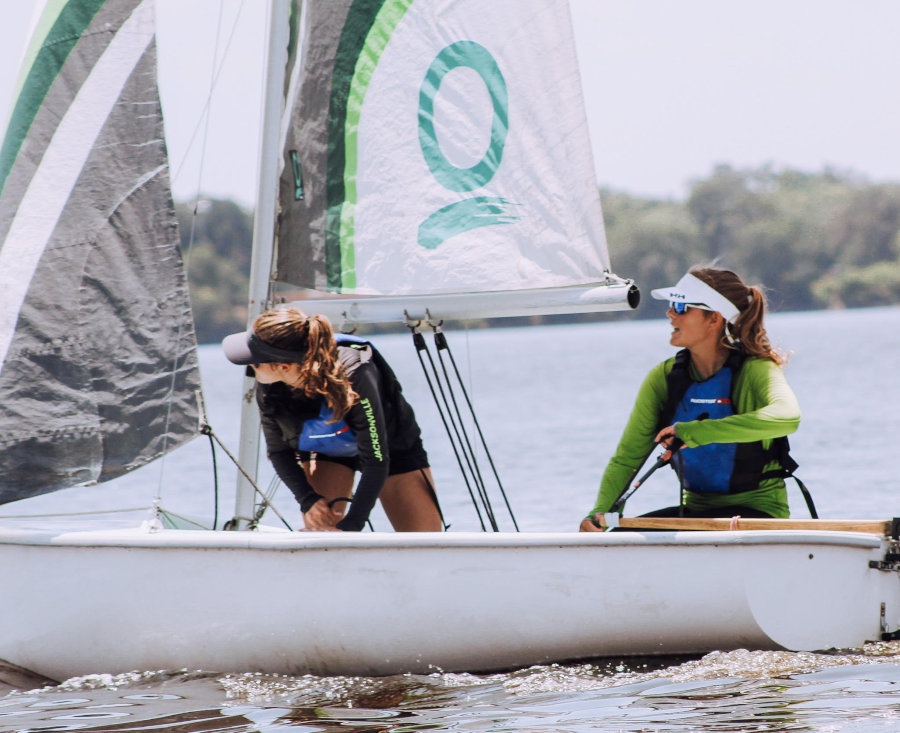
(421, 161)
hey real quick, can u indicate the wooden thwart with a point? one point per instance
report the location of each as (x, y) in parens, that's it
(870, 526)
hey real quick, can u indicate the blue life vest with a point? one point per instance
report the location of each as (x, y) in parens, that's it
(709, 471)
(323, 434)
(748, 460)
(346, 339)
(707, 468)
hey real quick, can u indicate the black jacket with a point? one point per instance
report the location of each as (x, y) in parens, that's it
(381, 419)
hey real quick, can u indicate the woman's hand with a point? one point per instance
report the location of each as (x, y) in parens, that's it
(321, 517)
(665, 437)
(587, 525)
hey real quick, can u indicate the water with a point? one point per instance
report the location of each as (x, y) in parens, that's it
(551, 402)
(733, 691)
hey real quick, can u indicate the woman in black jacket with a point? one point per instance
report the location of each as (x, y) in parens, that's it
(331, 406)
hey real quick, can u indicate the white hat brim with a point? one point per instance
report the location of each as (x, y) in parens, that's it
(692, 290)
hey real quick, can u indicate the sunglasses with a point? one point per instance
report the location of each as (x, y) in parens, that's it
(681, 308)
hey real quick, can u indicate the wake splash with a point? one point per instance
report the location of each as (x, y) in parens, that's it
(721, 691)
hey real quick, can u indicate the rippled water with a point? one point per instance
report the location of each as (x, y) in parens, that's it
(733, 691)
(552, 402)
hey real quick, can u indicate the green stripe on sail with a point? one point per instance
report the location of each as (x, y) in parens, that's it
(70, 23)
(366, 33)
(51, 12)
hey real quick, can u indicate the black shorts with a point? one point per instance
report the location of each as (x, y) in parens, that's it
(413, 458)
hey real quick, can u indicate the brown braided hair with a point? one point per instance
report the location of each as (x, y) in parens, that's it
(321, 373)
(747, 333)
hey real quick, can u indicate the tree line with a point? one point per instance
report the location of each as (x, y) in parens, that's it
(815, 240)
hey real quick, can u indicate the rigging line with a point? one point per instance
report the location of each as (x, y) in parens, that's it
(469, 456)
(440, 340)
(206, 429)
(215, 73)
(419, 344)
(465, 435)
(458, 444)
(188, 254)
(274, 485)
(75, 514)
(212, 448)
(206, 109)
(177, 343)
(170, 517)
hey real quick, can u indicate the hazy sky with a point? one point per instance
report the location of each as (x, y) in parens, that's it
(671, 87)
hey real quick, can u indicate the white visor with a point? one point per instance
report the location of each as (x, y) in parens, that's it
(693, 291)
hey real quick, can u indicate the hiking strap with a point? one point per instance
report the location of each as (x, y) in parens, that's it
(434, 498)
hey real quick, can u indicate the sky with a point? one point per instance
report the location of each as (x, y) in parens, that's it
(671, 87)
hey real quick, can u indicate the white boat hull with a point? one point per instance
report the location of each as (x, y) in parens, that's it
(376, 604)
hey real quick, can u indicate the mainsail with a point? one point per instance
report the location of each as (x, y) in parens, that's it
(440, 150)
(98, 367)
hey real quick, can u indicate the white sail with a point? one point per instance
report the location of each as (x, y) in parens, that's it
(442, 149)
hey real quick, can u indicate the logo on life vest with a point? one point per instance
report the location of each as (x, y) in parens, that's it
(711, 401)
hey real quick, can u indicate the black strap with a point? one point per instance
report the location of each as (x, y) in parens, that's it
(434, 498)
(807, 497)
(677, 382)
(781, 451)
(348, 499)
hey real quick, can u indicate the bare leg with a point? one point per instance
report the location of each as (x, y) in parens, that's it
(408, 503)
(331, 480)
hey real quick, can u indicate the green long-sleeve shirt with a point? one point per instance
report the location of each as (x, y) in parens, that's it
(765, 408)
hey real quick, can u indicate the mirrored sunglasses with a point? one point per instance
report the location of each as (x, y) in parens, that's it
(681, 308)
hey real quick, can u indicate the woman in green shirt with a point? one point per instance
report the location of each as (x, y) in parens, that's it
(724, 395)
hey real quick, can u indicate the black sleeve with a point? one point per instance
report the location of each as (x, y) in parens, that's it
(284, 458)
(367, 420)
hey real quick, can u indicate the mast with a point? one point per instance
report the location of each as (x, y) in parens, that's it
(263, 241)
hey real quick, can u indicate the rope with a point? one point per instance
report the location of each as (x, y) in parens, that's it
(420, 346)
(463, 437)
(206, 429)
(214, 73)
(434, 498)
(452, 418)
(440, 341)
(274, 485)
(74, 514)
(212, 448)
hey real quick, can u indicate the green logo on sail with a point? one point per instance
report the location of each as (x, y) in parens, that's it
(480, 211)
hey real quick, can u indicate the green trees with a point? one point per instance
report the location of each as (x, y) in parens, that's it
(215, 241)
(816, 240)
